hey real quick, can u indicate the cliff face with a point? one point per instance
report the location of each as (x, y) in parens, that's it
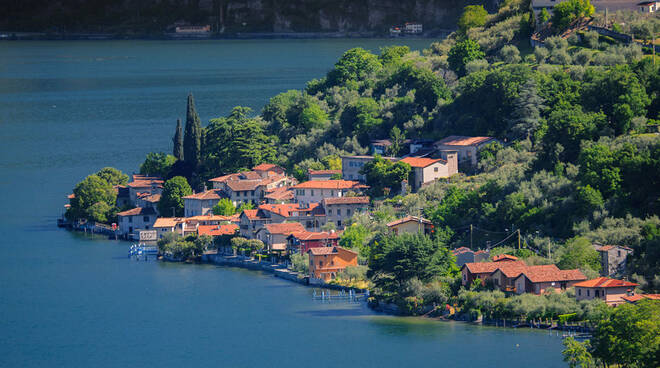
(230, 16)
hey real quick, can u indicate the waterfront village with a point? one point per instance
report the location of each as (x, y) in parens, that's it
(276, 220)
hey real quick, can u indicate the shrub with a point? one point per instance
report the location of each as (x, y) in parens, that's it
(510, 54)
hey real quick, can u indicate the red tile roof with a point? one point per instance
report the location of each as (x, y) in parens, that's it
(265, 167)
(286, 228)
(209, 194)
(287, 209)
(138, 211)
(320, 251)
(279, 194)
(460, 140)
(605, 282)
(409, 219)
(151, 197)
(329, 184)
(310, 235)
(550, 273)
(251, 214)
(324, 172)
(512, 269)
(504, 257)
(421, 161)
(167, 221)
(243, 185)
(637, 297)
(461, 250)
(346, 200)
(145, 183)
(488, 267)
(217, 230)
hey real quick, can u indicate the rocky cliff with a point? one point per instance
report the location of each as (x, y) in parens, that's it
(230, 16)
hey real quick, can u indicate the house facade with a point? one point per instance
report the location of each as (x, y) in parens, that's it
(143, 184)
(326, 262)
(611, 291)
(338, 210)
(613, 259)
(314, 191)
(301, 242)
(538, 279)
(426, 170)
(274, 236)
(411, 225)
(466, 147)
(323, 174)
(131, 222)
(466, 255)
(351, 166)
(202, 203)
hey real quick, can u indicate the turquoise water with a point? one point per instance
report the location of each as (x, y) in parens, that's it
(70, 300)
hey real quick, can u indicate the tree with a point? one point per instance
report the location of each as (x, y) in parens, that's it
(473, 16)
(177, 140)
(224, 208)
(396, 259)
(392, 54)
(510, 54)
(526, 113)
(245, 206)
(544, 16)
(630, 337)
(354, 65)
(157, 164)
(300, 263)
(381, 173)
(576, 353)
(313, 116)
(462, 53)
(396, 137)
(354, 237)
(564, 13)
(172, 197)
(112, 176)
(578, 253)
(361, 118)
(93, 200)
(192, 140)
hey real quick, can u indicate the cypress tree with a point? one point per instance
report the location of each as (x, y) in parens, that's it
(178, 141)
(192, 140)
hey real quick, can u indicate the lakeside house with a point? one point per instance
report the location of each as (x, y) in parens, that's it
(611, 291)
(311, 216)
(274, 236)
(164, 225)
(315, 191)
(217, 230)
(301, 242)
(612, 259)
(202, 203)
(466, 147)
(338, 210)
(466, 255)
(411, 225)
(145, 200)
(513, 275)
(132, 221)
(326, 262)
(142, 184)
(251, 186)
(323, 174)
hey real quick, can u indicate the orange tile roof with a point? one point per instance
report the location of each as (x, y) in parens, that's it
(486, 267)
(168, 221)
(209, 194)
(320, 251)
(409, 219)
(637, 297)
(311, 235)
(512, 269)
(460, 140)
(329, 184)
(279, 194)
(251, 214)
(210, 217)
(324, 172)
(284, 228)
(138, 211)
(605, 282)
(265, 167)
(421, 161)
(243, 185)
(550, 273)
(346, 200)
(504, 257)
(217, 230)
(151, 197)
(461, 250)
(71, 196)
(145, 183)
(286, 209)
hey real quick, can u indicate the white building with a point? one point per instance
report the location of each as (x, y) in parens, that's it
(314, 191)
(202, 203)
(466, 147)
(133, 221)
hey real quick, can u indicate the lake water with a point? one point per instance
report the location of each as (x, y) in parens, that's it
(69, 300)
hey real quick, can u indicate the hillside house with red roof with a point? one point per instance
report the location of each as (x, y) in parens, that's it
(323, 174)
(252, 186)
(199, 204)
(144, 184)
(466, 255)
(311, 216)
(538, 279)
(426, 170)
(411, 225)
(301, 242)
(612, 259)
(466, 147)
(635, 298)
(611, 291)
(326, 262)
(314, 191)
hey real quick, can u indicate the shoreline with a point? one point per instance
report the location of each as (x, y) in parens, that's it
(43, 36)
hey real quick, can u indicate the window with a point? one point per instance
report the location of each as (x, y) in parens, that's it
(312, 193)
(618, 253)
(147, 227)
(338, 211)
(320, 263)
(330, 212)
(338, 223)
(130, 219)
(580, 292)
(145, 218)
(252, 193)
(435, 169)
(588, 292)
(348, 212)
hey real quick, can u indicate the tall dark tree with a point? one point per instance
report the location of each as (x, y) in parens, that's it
(178, 141)
(192, 140)
(526, 115)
